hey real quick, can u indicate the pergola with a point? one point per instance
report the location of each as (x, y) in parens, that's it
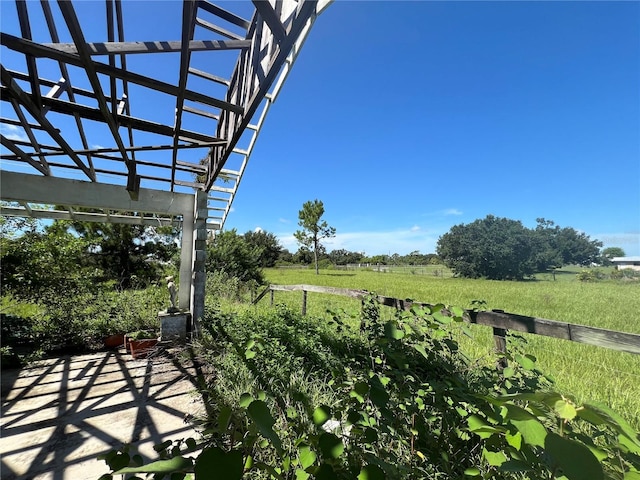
(155, 127)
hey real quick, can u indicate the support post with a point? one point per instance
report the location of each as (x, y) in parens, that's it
(304, 303)
(198, 282)
(186, 261)
(500, 343)
(271, 298)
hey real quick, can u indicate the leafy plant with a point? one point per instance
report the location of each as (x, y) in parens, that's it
(401, 401)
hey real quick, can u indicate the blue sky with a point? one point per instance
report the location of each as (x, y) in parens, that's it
(406, 118)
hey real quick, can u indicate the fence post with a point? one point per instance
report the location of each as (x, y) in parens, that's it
(271, 297)
(304, 302)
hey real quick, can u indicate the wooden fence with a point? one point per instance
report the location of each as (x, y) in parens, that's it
(500, 321)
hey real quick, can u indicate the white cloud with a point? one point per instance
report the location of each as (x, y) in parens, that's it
(97, 147)
(283, 220)
(401, 242)
(13, 132)
(451, 211)
(258, 230)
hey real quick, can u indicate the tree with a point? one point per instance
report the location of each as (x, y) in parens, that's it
(494, 248)
(609, 253)
(344, 257)
(231, 254)
(125, 252)
(45, 264)
(313, 229)
(268, 245)
(499, 248)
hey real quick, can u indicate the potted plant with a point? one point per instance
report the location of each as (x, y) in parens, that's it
(140, 343)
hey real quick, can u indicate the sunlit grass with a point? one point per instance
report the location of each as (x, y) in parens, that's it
(587, 372)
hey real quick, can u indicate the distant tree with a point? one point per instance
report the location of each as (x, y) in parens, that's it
(313, 228)
(377, 259)
(285, 256)
(494, 248)
(344, 257)
(268, 245)
(232, 255)
(609, 253)
(303, 256)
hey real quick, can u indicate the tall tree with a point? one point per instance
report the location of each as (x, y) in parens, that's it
(127, 252)
(494, 248)
(313, 228)
(231, 254)
(268, 245)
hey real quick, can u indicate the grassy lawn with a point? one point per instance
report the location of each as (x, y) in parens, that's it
(588, 373)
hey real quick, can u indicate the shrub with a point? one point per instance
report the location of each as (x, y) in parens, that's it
(295, 397)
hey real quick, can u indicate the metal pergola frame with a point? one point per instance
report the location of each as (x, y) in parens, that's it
(207, 124)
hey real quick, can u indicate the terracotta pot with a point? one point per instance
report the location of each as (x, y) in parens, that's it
(114, 341)
(141, 348)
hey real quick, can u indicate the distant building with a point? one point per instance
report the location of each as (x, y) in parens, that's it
(626, 262)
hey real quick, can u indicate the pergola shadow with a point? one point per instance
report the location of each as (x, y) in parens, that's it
(60, 414)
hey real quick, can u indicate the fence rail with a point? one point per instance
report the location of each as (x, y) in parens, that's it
(500, 321)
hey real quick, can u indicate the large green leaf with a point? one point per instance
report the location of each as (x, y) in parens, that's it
(307, 456)
(576, 460)
(214, 463)
(613, 420)
(321, 414)
(533, 432)
(392, 331)
(371, 472)
(261, 416)
(177, 464)
(330, 445)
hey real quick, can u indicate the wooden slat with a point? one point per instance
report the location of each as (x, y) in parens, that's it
(25, 29)
(130, 48)
(501, 321)
(61, 106)
(69, 14)
(216, 29)
(208, 76)
(224, 14)
(14, 89)
(271, 19)
(27, 47)
(22, 155)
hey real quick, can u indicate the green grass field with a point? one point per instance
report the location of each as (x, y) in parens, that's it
(588, 373)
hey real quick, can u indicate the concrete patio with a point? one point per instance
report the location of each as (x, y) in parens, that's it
(59, 415)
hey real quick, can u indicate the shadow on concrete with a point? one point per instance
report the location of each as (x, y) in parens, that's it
(60, 414)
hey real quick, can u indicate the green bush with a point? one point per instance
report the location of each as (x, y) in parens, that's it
(367, 397)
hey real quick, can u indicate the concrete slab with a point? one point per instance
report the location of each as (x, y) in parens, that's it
(60, 414)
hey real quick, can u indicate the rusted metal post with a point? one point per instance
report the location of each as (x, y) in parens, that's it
(304, 303)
